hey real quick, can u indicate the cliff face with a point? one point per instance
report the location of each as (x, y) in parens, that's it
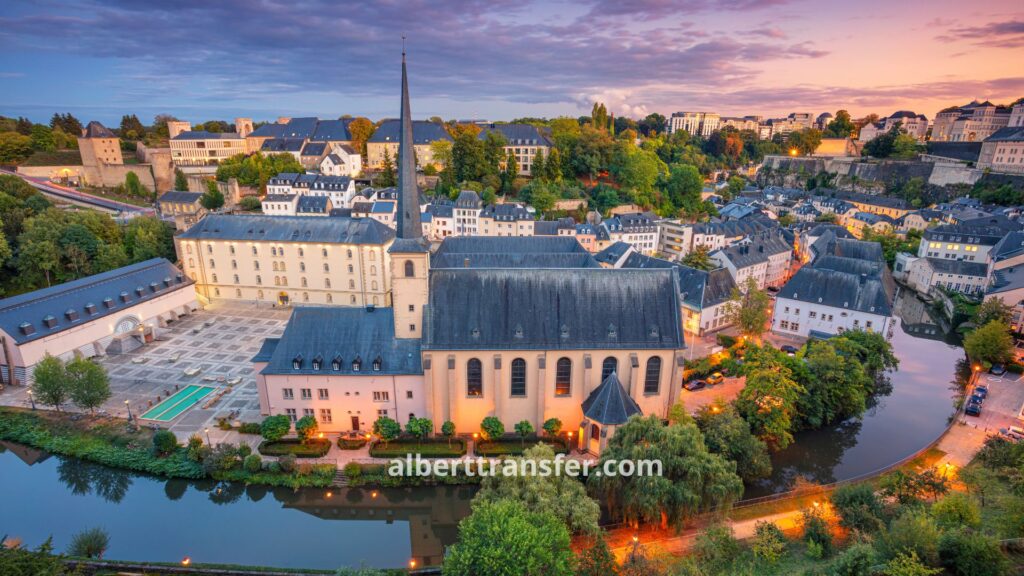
(861, 175)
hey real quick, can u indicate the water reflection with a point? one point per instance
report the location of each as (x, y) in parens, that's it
(87, 478)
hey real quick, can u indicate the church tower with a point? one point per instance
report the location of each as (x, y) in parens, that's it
(410, 254)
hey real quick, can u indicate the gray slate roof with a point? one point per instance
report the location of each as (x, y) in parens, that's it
(244, 227)
(311, 204)
(964, 267)
(698, 289)
(512, 260)
(423, 132)
(86, 299)
(1008, 134)
(180, 196)
(96, 130)
(347, 334)
(510, 245)
(827, 244)
(530, 309)
(204, 135)
(609, 404)
(839, 289)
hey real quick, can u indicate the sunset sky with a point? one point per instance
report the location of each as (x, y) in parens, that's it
(500, 59)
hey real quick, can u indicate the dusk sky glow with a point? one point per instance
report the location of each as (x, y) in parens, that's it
(501, 59)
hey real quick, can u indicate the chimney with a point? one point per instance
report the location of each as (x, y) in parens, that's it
(465, 263)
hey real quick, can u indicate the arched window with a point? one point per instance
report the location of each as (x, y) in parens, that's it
(327, 282)
(304, 283)
(373, 285)
(474, 378)
(348, 253)
(302, 266)
(274, 263)
(518, 387)
(305, 296)
(410, 269)
(563, 377)
(352, 285)
(610, 364)
(595, 432)
(652, 378)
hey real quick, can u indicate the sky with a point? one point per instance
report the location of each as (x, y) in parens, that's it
(502, 59)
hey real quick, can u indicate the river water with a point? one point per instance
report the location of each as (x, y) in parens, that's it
(165, 520)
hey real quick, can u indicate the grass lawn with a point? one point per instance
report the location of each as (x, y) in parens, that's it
(426, 448)
(54, 158)
(110, 195)
(516, 446)
(316, 448)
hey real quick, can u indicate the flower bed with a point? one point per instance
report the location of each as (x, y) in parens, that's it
(316, 448)
(351, 443)
(426, 448)
(510, 446)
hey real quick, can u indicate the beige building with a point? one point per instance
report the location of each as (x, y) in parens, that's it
(695, 123)
(386, 138)
(524, 141)
(98, 145)
(1003, 151)
(915, 125)
(190, 148)
(972, 122)
(288, 259)
(182, 207)
(108, 313)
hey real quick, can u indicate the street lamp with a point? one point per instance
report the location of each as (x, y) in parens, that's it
(412, 564)
(207, 431)
(32, 398)
(186, 561)
(129, 407)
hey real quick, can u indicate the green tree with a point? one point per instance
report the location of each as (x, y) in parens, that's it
(491, 428)
(858, 507)
(14, 147)
(769, 542)
(166, 443)
(133, 186)
(273, 428)
(509, 174)
(419, 428)
(991, 343)
(360, 130)
(727, 434)
(805, 141)
(561, 495)
(596, 560)
(967, 553)
(51, 382)
(213, 198)
(957, 509)
(88, 384)
(768, 401)
(503, 538)
(553, 166)
(699, 258)
(180, 181)
(841, 126)
(147, 237)
(91, 543)
(856, 560)
(250, 203)
(816, 529)
(448, 430)
(715, 547)
(749, 309)
(387, 176)
(692, 479)
(909, 565)
(993, 309)
(42, 138)
(524, 429)
(307, 428)
(131, 128)
(913, 531)
(836, 388)
(387, 429)
(552, 426)
(904, 147)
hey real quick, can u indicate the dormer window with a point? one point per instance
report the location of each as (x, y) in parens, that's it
(564, 331)
(317, 362)
(475, 332)
(49, 321)
(336, 363)
(124, 296)
(377, 363)
(653, 332)
(90, 308)
(27, 328)
(71, 314)
(612, 331)
(518, 331)
(357, 364)
(297, 362)
(139, 290)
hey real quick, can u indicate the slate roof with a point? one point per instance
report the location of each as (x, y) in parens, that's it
(331, 183)
(346, 334)
(510, 212)
(312, 204)
(282, 145)
(282, 179)
(468, 199)
(1010, 245)
(966, 151)
(266, 350)
(441, 210)
(517, 134)
(314, 149)
(300, 128)
(759, 248)
(272, 130)
(545, 228)
(613, 253)
(872, 199)
(698, 289)
(1008, 134)
(609, 404)
(964, 267)
(96, 130)
(204, 135)
(510, 244)
(423, 132)
(506, 260)
(828, 244)
(383, 207)
(246, 227)
(873, 219)
(87, 299)
(839, 289)
(984, 235)
(279, 197)
(180, 196)
(532, 309)
(333, 130)
(734, 228)
(1007, 279)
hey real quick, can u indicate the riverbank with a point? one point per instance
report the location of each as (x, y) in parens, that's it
(117, 443)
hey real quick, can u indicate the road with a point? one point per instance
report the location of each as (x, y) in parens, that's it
(74, 196)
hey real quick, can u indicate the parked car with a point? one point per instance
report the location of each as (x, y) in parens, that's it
(973, 410)
(1011, 434)
(997, 370)
(976, 399)
(790, 350)
(981, 390)
(716, 378)
(694, 385)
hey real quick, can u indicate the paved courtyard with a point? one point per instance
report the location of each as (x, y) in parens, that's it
(219, 341)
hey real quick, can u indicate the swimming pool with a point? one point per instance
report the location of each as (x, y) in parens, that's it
(182, 400)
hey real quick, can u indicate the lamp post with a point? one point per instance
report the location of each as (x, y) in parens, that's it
(32, 398)
(207, 431)
(129, 407)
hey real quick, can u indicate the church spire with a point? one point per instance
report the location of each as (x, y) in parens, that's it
(408, 225)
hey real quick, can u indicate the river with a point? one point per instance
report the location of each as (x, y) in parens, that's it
(165, 520)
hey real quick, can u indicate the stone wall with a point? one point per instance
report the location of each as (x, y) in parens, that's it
(863, 176)
(102, 175)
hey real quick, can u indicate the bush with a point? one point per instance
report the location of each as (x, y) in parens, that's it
(552, 426)
(287, 463)
(275, 427)
(223, 458)
(253, 463)
(249, 428)
(244, 450)
(817, 532)
(91, 543)
(316, 448)
(858, 508)
(956, 509)
(725, 341)
(306, 428)
(491, 428)
(511, 447)
(165, 442)
(968, 553)
(715, 547)
(195, 449)
(432, 448)
(353, 470)
(914, 531)
(351, 443)
(1014, 368)
(769, 542)
(856, 560)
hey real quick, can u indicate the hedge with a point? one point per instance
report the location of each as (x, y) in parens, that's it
(351, 443)
(510, 446)
(316, 448)
(427, 448)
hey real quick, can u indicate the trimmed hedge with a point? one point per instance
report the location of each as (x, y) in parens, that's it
(316, 448)
(426, 448)
(351, 443)
(509, 446)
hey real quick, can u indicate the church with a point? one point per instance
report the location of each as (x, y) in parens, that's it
(520, 328)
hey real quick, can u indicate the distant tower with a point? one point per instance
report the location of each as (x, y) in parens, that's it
(175, 127)
(243, 126)
(410, 255)
(98, 145)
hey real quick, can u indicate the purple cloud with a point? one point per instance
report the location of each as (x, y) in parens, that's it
(1009, 34)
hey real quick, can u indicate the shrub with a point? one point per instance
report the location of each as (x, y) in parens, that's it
(715, 547)
(971, 554)
(273, 467)
(524, 428)
(275, 427)
(816, 531)
(856, 560)
(351, 443)
(387, 429)
(491, 428)
(195, 447)
(249, 428)
(908, 565)
(815, 551)
(165, 442)
(90, 543)
(316, 448)
(1014, 368)
(956, 509)
(552, 426)
(223, 458)
(769, 542)
(914, 531)
(223, 424)
(306, 428)
(244, 450)
(287, 463)
(858, 508)
(353, 470)
(725, 341)
(253, 463)
(448, 430)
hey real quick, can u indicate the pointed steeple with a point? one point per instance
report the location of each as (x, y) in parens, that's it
(408, 224)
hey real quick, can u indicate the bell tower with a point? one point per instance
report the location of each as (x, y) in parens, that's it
(410, 253)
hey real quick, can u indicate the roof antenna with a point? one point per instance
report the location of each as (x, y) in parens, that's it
(403, 47)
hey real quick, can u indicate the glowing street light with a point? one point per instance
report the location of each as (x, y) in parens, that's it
(129, 407)
(793, 151)
(32, 398)
(412, 564)
(207, 431)
(186, 561)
